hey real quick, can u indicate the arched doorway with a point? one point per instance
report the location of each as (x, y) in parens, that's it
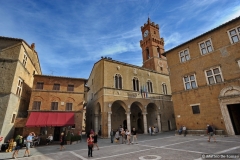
(137, 117)
(118, 116)
(230, 108)
(152, 115)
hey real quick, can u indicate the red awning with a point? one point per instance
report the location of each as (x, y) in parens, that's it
(42, 119)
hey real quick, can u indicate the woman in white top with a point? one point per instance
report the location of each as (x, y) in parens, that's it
(128, 133)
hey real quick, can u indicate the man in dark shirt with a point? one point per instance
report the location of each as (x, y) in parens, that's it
(134, 133)
(210, 132)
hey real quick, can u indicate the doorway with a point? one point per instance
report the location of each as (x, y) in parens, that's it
(169, 125)
(234, 112)
(56, 136)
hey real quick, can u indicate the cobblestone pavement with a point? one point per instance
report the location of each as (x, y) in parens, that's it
(162, 146)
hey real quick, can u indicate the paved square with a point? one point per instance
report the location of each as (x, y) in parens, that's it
(163, 146)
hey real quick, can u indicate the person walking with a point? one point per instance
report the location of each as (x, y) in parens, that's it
(184, 129)
(29, 141)
(90, 141)
(123, 133)
(111, 135)
(150, 130)
(128, 133)
(210, 132)
(62, 141)
(95, 137)
(117, 136)
(134, 133)
(18, 146)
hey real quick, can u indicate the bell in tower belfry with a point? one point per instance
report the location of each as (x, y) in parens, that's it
(152, 48)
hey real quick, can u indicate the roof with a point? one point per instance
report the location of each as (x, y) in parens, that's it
(126, 64)
(40, 75)
(214, 29)
(21, 40)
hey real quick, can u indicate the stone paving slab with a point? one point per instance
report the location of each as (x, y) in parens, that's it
(163, 146)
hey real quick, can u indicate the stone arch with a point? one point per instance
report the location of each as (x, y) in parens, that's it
(229, 95)
(119, 109)
(152, 114)
(136, 117)
(38, 98)
(70, 99)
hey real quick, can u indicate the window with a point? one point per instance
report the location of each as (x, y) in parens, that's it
(234, 34)
(206, 47)
(184, 55)
(70, 87)
(118, 81)
(19, 87)
(56, 87)
(158, 51)
(164, 88)
(190, 82)
(68, 106)
(24, 59)
(149, 86)
(214, 75)
(36, 105)
(196, 109)
(147, 53)
(135, 84)
(13, 118)
(54, 106)
(39, 85)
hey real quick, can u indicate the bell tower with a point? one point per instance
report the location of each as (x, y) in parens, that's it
(152, 48)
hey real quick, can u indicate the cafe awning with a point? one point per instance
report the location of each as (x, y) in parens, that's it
(42, 119)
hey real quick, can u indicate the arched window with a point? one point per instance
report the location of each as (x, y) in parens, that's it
(164, 88)
(149, 86)
(158, 51)
(147, 53)
(135, 84)
(118, 81)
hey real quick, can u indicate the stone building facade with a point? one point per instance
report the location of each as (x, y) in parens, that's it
(18, 63)
(129, 95)
(56, 105)
(205, 79)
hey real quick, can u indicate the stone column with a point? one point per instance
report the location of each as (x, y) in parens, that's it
(109, 123)
(145, 123)
(128, 121)
(96, 122)
(159, 123)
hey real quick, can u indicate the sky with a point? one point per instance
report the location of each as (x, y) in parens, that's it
(71, 35)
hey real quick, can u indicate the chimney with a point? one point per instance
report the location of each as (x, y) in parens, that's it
(33, 46)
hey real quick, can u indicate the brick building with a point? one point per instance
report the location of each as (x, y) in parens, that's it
(18, 63)
(56, 105)
(205, 79)
(129, 95)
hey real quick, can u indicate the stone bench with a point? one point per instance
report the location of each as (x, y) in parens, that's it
(200, 132)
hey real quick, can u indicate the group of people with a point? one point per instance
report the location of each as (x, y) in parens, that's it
(124, 135)
(19, 143)
(91, 142)
(182, 130)
(152, 130)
